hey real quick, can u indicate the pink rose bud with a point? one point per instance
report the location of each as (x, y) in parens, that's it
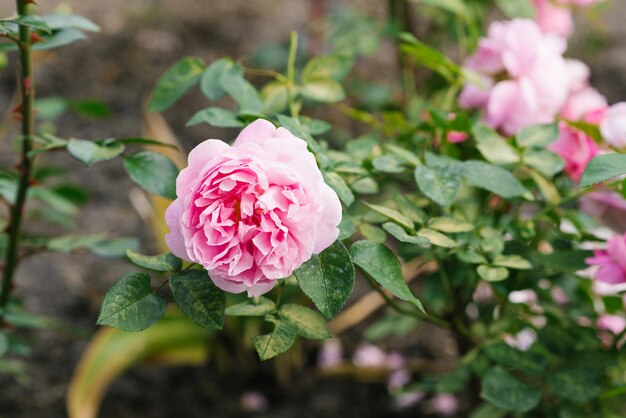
(454, 137)
(253, 212)
(612, 261)
(575, 148)
(614, 323)
(613, 126)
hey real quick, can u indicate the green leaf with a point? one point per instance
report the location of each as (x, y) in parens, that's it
(252, 307)
(387, 164)
(243, 93)
(113, 248)
(175, 82)
(439, 184)
(278, 341)
(544, 161)
(392, 215)
(492, 178)
(507, 356)
(429, 57)
(323, 90)
(400, 234)
(326, 66)
(436, 238)
(163, 262)
(450, 225)
(58, 39)
(90, 152)
(565, 260)
(338, 184)
(297, 127)
(537, 136)
(32, 22)
(409, 208)
(383, 266)
(403, 154)
(308, 323)
(372, 232)
(456, 7)
(216, 116)
(493, 147)
(517, 8)
(512, 262)
(575, 384)
(198, 297)
(327, 278)
(602, 168)
(506, 392)
(492, 274)
(4, 344)
(210, 83)
(131, 304)
(152, 171)
(590, 129)
(275, 96)
(365, 185)
(58, 21)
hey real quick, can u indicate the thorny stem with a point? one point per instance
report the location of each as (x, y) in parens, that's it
(17, 210)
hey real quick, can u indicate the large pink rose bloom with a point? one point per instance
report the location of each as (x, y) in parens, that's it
(612, 261)
(613, 125)
(525, 77)
(254, 212)
(575, 148)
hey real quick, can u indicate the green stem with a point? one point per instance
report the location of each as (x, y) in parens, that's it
(17, 210)
(291, 73)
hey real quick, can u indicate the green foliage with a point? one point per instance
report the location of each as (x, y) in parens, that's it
(382, 265)
(131, 304)
(198, 298)
(308, 323)
(506, 392)
(253, 307)
(163, 262)
(603, 168)
(277, 342)
(327, 278)
(152, 171)
(176, 82)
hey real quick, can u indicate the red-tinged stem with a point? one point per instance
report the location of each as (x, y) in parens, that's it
(17, 210)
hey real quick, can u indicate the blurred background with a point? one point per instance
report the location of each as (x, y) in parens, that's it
(139, 40)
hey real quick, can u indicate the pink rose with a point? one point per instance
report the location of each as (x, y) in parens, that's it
(583, 102)
(253, 212)
(575, 148)
(554, 18)
(455, 137)
(614, 323)
(612, 261)
(532, 79)
(613, 125)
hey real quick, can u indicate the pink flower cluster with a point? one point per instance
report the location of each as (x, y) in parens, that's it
(254, 212)
(555, 16)
(524, 74)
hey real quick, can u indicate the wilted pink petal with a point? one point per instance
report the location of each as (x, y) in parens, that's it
(445, 404)
(330, 354)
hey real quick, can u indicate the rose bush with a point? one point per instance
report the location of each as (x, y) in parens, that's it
(252, 213)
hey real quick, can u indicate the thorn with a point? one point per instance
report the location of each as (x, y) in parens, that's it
(36, 38)
(17, 111)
